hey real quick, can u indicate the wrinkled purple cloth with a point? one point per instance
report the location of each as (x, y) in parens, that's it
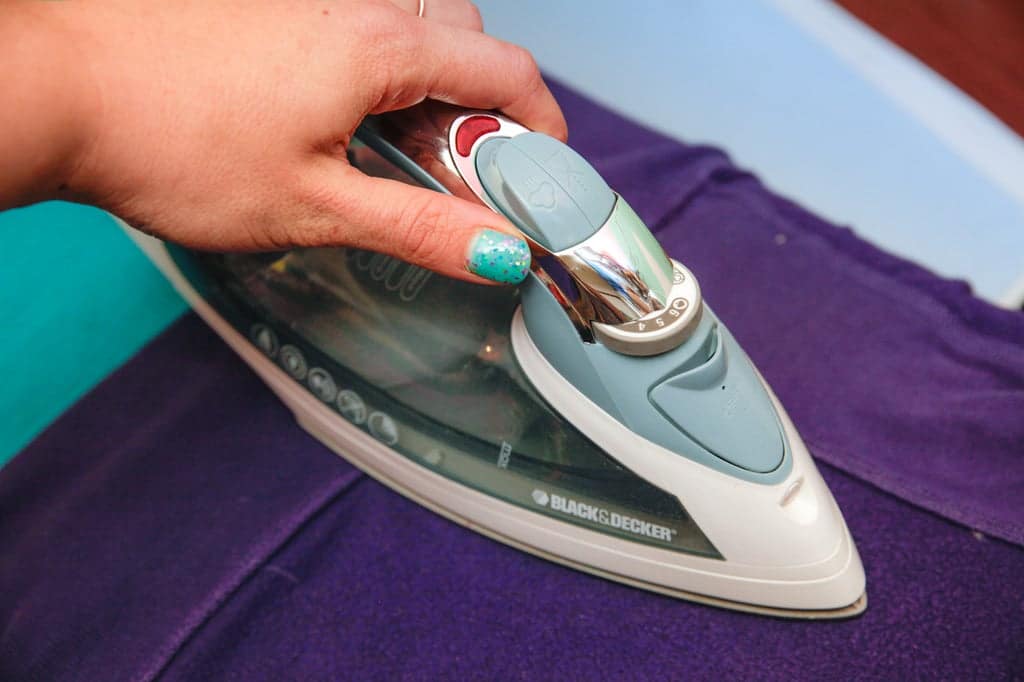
(176, 523)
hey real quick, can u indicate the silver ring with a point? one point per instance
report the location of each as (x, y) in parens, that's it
(422, 9)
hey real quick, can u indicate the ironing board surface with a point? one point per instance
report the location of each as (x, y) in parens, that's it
(177, 523)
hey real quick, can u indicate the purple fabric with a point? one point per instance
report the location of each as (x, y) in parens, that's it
(176, 523)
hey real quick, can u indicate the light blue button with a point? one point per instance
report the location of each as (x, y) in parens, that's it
(722, 405)
(545, 188)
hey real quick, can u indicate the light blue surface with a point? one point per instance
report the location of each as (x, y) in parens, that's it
(743, 76)
(544, 187)
(622, 386)
(723, 406)
(77, 299)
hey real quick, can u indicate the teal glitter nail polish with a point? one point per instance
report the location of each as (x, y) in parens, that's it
(498, 257)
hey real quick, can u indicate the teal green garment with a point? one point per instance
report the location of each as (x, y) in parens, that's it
(77, 299)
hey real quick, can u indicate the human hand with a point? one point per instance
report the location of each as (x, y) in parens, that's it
(223, 125)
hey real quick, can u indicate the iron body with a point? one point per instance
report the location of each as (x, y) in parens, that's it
(600, 415)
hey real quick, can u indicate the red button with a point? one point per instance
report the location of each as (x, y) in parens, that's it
(471, 130)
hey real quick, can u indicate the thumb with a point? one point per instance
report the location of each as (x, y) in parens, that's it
(436, 231)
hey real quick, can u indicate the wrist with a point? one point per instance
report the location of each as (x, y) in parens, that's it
(46, 120)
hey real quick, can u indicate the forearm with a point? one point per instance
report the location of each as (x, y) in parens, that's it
(43, 111)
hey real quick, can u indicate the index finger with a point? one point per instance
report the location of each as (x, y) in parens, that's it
(471, 69)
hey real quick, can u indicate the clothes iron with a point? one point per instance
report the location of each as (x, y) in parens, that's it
(599, 415)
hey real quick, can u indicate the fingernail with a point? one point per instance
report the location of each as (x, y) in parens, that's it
(498, 257)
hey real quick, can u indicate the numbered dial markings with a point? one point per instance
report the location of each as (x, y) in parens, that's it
(663, 329)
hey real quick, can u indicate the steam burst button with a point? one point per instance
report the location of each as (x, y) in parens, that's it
(471, 130)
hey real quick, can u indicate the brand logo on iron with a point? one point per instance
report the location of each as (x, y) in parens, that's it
(605, 517)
